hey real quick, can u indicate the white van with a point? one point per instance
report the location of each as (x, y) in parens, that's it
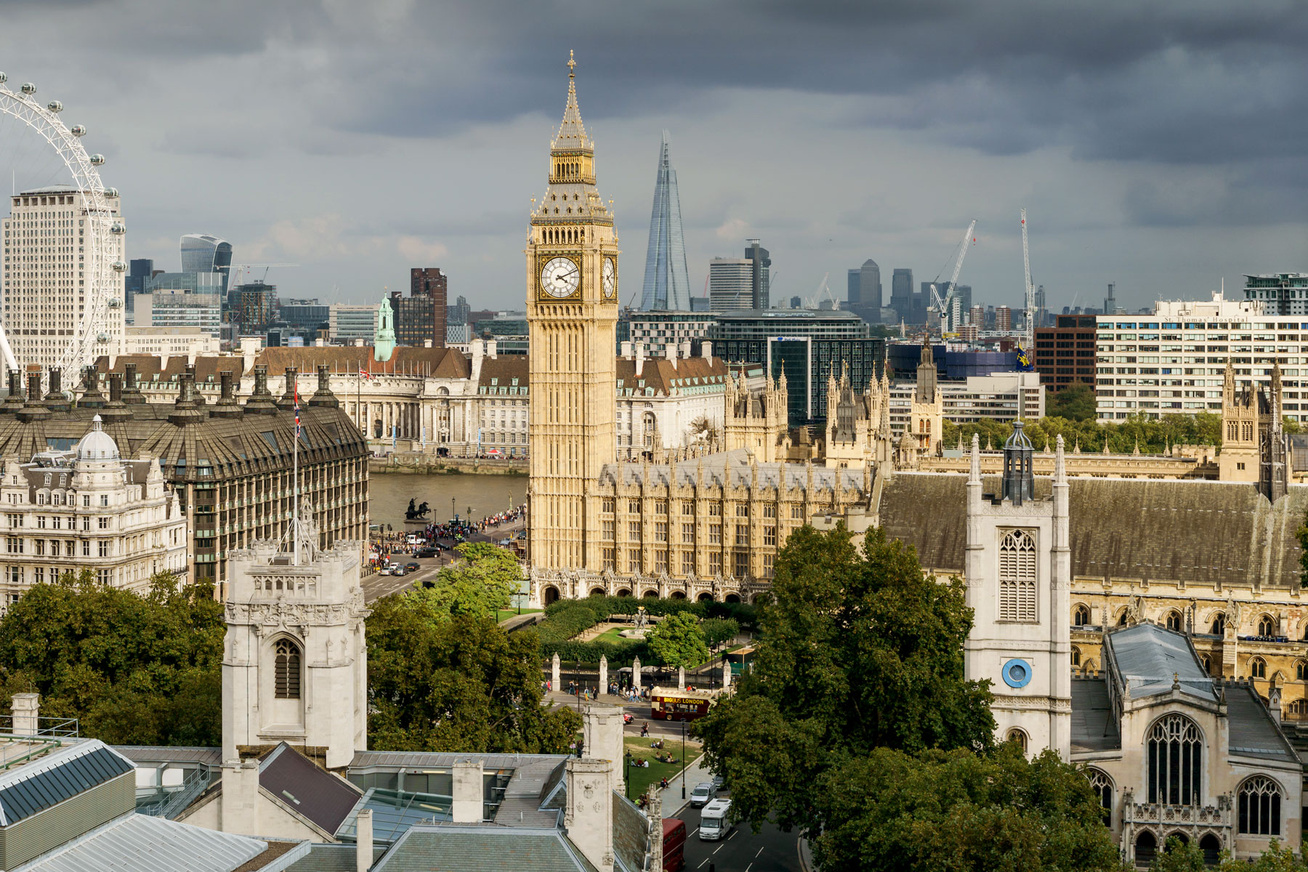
(713, 823)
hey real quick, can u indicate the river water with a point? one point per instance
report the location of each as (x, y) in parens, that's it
(481, 495)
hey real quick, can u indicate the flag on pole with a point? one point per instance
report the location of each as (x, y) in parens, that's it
(297, 409)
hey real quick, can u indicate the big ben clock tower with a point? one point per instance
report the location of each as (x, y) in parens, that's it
(572, 313)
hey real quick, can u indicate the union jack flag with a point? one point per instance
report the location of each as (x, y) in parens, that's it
(297, 411)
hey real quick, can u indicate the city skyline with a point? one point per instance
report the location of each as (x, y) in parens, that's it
(1122, 131)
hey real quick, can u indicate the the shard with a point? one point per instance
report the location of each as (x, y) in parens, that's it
(667, 284)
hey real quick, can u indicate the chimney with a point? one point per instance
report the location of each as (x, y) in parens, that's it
(706, 349)
(640, 358)
(589, 815)
(469, 792)
(131, 390)
(491, 348)
(292, 382)
(363, 841)
(15, 388)
(27, 713)
(426, 343)
(324, 396)
(115, 387)
(685, 349)
(239, 801)
(671, 351)
(625, 348)
(601, 733)
(33, 388)
(358, 343)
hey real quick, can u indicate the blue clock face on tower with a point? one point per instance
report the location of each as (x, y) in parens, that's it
(1016, 673)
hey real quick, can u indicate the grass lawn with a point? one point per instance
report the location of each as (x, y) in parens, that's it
(509, 613)
(641, 778)
(613, 635)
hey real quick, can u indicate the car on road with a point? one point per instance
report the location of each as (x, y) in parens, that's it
(713, 820)
(399, 570)
(412, 567)
(717, 783)
(385, 570)
(703, 794)
(426, 552)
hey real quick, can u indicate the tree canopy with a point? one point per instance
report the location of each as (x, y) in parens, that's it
(439, 681)
(1076, 402)
(677, 640)
(479, 584)
(1152, 435)
(857, 651)
(142, 670)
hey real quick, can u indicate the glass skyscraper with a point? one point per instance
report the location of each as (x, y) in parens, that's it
(667, 282)
(202, 253)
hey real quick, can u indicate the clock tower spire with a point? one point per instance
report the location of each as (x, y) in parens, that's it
(572, 312)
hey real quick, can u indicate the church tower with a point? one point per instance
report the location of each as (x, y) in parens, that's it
(1018, 569)
(926, 414)
(572, 313)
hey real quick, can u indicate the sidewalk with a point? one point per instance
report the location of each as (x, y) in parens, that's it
(673, 804)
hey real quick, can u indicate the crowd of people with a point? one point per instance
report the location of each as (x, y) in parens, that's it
(389, 543)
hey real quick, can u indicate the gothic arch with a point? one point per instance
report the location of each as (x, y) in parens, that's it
(598, 591)
(705, 597)
(1146, 848)
(732, 598)
(549, 595)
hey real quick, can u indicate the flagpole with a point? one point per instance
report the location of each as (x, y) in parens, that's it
(295, 475)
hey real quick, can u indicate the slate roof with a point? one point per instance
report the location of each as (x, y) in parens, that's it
(1252, 731)
(1151, 658)
(150, 844)
(57, 776)
(170, 754)
(1094, 727)
(659, 373)
(434, 362)
(501, 370)
(313, 793)
(330, 858)
(1203, 532)
(482, 849)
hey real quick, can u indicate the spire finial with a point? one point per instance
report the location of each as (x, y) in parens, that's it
(572, 64)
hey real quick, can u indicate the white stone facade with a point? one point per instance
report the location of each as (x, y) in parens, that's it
(88, 509)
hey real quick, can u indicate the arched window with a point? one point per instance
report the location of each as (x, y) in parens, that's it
(1102, 785)
(1080, 616)
(286, 670)
(1146, 848)
(1212, 848)
(1017, 576)
(1300, 670)
(1175, 753)
(1260, 807)
(1208, 664)
(1219, 624)
(1018, 738)
(1266, 626)
(1257, 667)
(1174, 620)
(1076, 656)
(1121, 619)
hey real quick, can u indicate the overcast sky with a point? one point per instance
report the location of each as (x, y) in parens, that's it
(1156, 144)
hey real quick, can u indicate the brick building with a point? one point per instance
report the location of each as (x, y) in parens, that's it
(1065, 353)
(420, 317)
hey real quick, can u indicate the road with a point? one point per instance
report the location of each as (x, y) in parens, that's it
(377, 586)
(741, 851)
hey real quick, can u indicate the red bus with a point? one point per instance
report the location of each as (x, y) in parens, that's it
(674, 845)
(670, 704)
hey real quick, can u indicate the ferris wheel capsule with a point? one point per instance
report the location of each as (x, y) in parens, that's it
(119, 266)
(78, 130)
(118, 228)
(111, 192)
(3, 78)
(97, 160)
(55, 106)
(114, 302)
(102, 337)
(28, 88)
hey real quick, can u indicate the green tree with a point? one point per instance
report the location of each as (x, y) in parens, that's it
(857, 651)
(479, 584)
(959, 811)
(1178, 856)
(1076, 402)
(133, 669)
(677, 640)
(442, 682)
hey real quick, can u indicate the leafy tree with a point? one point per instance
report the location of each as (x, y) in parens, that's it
(133, 669)
(858, 651)
(959, 810)
(479, 584)
(1076, 402)
(1178, 856)
(456, 682)
(677, 640)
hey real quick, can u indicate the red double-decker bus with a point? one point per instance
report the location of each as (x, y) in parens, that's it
(670, 704)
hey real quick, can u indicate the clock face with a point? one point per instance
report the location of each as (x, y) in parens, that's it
(610, 278)
(560, 277)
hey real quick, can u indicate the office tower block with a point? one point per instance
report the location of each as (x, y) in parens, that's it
(667, 282)
(202, 253)
(865, 293)
(420, 317)
(730, 284)
(760, 274)
(901, 293)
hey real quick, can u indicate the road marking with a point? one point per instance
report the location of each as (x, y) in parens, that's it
(750, 866)
(720, 847)
(692, 832)
(732, 836)
(760, 851)
(702, 862)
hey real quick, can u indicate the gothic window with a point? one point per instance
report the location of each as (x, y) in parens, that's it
(1174, 620)
(1076, 656)
(1219, 624)
(286, 669)
(1018, 738)
(1257, 668)
(1300, 670)
(1260, 807)
(1102, 785)
(1174, 758)
(1017, 576)
(1080, 616)
(1208, 666)
(1266, 626)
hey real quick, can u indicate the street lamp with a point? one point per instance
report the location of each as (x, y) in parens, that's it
(626, 773)
(683, 756)
(453, 514)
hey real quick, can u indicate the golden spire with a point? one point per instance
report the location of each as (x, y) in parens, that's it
(572, 133)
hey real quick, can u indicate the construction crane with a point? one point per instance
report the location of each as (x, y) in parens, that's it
(1028, 344)
(236, 272)
(945, 307)
(824, 288)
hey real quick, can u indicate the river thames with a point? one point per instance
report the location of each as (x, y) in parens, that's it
(483, 495)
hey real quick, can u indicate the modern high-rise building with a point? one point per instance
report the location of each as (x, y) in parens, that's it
(1278, 293)
(348, 323)
(865, 292)
(1065, 353)
(257, 301)
(901, 293)
(730, 284)
(1003, 319)
(420, 317)
(202, 253)
(667, 282)
(43, 281)
(760, 283)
